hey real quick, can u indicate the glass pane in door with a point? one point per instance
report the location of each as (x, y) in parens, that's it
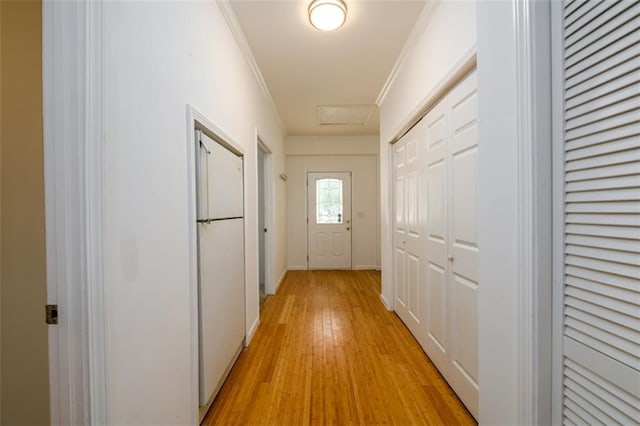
(329, 201)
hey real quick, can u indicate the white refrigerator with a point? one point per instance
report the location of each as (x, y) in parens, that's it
(221, 289)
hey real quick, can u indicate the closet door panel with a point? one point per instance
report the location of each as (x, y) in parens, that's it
(463, 248)
(464, 341)
(436, 319)
(409, 230)
(464, 198)
(400, 202)
(437, 238)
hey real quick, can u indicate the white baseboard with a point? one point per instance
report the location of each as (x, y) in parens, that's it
(297, 268)
(252, 331)
(284, 273)
(385, 303)
(364, 268)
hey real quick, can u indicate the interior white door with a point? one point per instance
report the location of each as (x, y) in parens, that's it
(597, 308)
(329, 220)
(437, 237)
(462, 153)
(409, 217)
(451, 244)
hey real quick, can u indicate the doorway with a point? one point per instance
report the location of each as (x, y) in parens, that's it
(329, 220)
(265, 283)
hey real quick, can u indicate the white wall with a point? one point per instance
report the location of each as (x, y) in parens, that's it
(358, 154)
(439, 43)
(442, 40)
(159, 57)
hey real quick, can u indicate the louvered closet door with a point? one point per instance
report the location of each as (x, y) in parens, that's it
(601, 310)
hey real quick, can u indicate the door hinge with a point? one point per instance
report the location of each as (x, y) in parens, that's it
(307, 258)
(52, 314)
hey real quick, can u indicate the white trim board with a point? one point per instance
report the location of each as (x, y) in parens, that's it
(297, 268)
(386, 303)
(533, 56)
(280, 280)
(558, 190)
(73, 92)
(514, 212)
(252, 332)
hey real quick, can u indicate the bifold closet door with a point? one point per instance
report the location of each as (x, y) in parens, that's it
(451, 245)
(437, 237)
(462, 154)
(599, 357)
(409, 217)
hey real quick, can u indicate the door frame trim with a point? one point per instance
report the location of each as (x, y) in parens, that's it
(74, 139)
(534, 234)
(267, 182)
(558, 190)
(350, 172)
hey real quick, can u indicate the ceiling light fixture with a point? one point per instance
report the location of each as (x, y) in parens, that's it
(327, 15)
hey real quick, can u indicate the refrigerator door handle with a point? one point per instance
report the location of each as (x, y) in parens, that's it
(208, 152)
(205, 148)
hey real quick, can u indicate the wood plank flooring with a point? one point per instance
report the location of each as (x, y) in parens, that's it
(328, 352)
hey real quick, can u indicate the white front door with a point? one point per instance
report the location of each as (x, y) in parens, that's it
(409, 192)
(329, 220)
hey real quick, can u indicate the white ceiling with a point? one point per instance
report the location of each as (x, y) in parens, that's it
(305, 68)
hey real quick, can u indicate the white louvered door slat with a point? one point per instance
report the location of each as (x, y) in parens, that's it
(601, 140)
(622, 11)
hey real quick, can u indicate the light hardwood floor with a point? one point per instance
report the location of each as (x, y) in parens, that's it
(328, 352)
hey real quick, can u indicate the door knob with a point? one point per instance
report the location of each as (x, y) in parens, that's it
(450, 258)
(348, 228)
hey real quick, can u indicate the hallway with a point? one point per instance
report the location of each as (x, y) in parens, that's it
(328, 352)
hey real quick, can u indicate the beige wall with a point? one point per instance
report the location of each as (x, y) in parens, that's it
(357, 154)
(25, 371)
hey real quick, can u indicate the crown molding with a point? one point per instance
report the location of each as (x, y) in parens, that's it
(417, 31)
(243, 44)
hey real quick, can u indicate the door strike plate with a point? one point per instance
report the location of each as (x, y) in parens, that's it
(52, 314)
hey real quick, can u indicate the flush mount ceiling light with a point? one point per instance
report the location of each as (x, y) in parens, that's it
(327, 15)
